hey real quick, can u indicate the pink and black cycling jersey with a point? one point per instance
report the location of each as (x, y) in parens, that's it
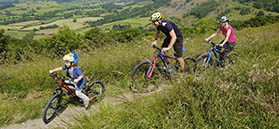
(232, 38)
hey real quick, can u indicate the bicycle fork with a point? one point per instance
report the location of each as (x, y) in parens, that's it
(151, 68)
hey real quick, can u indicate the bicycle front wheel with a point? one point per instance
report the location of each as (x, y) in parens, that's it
(202, 63)
(50, 110)
(96, 90)
(142, 80)
(189, 64)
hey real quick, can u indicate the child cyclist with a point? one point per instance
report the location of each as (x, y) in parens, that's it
(73, 71)
(229, 41)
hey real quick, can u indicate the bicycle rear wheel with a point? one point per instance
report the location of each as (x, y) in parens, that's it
(189, 64)
(230, 59)
(202, 63)
(95, 90)
(140, 80)
(50, 110)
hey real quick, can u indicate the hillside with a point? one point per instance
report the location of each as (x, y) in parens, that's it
(41, 18)
(112, 37)
(242, 96)
(234, 97)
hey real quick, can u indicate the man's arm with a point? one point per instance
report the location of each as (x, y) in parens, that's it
(173, 39)
(156, 38)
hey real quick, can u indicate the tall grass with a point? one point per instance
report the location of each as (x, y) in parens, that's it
(245, 95)
(27, 86)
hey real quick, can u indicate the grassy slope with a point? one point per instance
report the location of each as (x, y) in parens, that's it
(28, 86)
(245, 95)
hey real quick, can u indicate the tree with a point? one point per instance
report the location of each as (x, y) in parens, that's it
(74, 20)
(260, 13)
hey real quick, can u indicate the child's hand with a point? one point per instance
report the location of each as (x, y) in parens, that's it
(50, 71)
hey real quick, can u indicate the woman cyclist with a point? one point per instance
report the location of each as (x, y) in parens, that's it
(229, 42)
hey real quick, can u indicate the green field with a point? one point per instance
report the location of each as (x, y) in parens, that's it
(15, 30)
(135, 22)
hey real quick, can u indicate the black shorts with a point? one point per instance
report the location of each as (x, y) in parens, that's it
(177, 47)
(228, 47)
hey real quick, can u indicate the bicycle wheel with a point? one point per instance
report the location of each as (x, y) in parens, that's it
(231, 58)
(189, 64)
(202, 63)
(95, 90)
(140, 80)
(50, 110)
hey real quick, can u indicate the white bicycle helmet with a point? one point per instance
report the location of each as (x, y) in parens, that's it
(156, 16)
(224, 19)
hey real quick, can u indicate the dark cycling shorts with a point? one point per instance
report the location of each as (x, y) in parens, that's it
(228, 47)
(177, 47)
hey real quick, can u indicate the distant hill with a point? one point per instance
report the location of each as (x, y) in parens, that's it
(189, 10)
(22, 17)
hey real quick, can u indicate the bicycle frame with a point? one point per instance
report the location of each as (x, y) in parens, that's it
(62, 85)
(214, 51)
(156, 58)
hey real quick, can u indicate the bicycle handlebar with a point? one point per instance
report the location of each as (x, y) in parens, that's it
(70, 82)
(154, 46)
(214, 44)
(54, 75)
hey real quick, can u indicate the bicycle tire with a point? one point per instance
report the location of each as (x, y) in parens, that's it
(189, 64)
(55, 97)
(231, 58)
(201, 63)
(140, 81)
(95, 90)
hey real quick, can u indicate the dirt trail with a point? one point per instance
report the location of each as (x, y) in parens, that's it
(70, 112)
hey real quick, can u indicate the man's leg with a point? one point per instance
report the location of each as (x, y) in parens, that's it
(181, 62)
(164, 45)
(178, 53)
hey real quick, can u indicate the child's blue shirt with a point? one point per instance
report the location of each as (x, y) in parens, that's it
(76, 73)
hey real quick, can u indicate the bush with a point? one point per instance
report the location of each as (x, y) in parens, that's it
(204, 8)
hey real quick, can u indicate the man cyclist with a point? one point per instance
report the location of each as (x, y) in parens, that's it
(173, 38)
(229, 42)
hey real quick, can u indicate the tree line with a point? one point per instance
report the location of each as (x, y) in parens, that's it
(270, 5)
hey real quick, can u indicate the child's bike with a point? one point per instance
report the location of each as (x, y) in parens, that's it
(95, 91)
(147, 75)
(205, 60)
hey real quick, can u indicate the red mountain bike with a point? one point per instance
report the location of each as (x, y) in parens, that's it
(95, 91)
(147, 75)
